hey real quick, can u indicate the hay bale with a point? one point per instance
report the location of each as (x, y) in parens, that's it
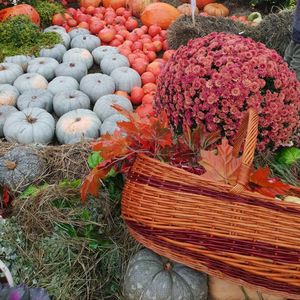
(274, 31)
(182, 30)
(174, 3)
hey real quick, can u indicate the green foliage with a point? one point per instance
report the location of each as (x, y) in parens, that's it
(46, 10)
(274, 3)
(288, 156)
(18, 35)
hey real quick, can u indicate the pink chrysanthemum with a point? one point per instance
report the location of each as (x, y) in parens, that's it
(216, 78)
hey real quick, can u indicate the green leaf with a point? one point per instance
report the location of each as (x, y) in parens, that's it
(94, 159)
(72, 184)
(69, 229)
(32, 190)
(289, 156)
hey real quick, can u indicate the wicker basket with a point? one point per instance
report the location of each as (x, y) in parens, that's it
(225, 231)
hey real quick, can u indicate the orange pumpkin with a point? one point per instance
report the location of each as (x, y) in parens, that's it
(21, 9)
(216, 10)
(87, 3)
(186, 9)
(138, 6)
(200, 3)
(115, 4)
(161, 14)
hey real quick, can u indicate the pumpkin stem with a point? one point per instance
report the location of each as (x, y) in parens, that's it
(72, 65)
(31, 120)
(11, 165)
(2, 68)
(77, 119)
(168, 266)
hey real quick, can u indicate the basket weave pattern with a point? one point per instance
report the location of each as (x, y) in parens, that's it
(231, 233)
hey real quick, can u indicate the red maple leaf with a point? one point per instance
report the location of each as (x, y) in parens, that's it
(6, 197)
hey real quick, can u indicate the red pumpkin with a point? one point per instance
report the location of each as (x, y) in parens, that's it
(145, 110)
(21, 9)
(161, 14)
(136, 95)
(115, 4)
(58, 19)
(138, 6)
(87, 3)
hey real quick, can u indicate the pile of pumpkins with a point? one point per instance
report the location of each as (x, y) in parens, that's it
(54, 94)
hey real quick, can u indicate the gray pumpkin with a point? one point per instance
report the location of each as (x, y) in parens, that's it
(150, 276)
(55, 28)
(79, 55)
(9, 72)
(103, 107)
(78, 31)
(126, 78)
(20, 167)
(8, 94)
(109, 126)
(97, 85)
(86, 41)
(32, 125)
(21, 60)
(5, 112)
(57, 52)
(66, 101)
(74, 69)
(29, 81)
(62, 83)
(111, 62)
(99, 52)
(66, 40)
(44, 66)
(35, 98)
(77, 125)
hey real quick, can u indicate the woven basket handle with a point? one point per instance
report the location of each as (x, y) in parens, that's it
(7, 273)
(248, 130)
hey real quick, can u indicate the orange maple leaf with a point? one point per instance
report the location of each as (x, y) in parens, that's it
(221, 166)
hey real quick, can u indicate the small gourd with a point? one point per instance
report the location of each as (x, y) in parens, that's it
(9, 72)
(103, 107)
(111, 62)
(20, 167)
(216, 10)
(32, 125)
(29, 81)
(55, 28)
(86, 41)
(125, 79)
(44, 66)
(62, 83)
(79, 54)
(99, 52)
(21, 60)
(36, 98)
(109, 126)
(77, 70)
(66, 101)
(5, 112)
(8, 95)
(78, 31)
(77, 125)
(57, 52)
(97, 85)
(150, 276)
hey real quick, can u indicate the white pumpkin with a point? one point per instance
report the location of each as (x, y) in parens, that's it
(66, 101)
(33, 125)
(103, 107)
(44, 66)
(9, 72)
(36, 98)
(79, 54)
(8, 95)
(109, 126)
(97, 85)
(111, 62)
(29, 81)
(125, 79)
(21, 60)
(99, 52)
(77, 70)
(55, 28)
(5, 112)
(86, 41)
(62, 83)
(220, 289)
(57, 52)
(77, 125)
(78, 31)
